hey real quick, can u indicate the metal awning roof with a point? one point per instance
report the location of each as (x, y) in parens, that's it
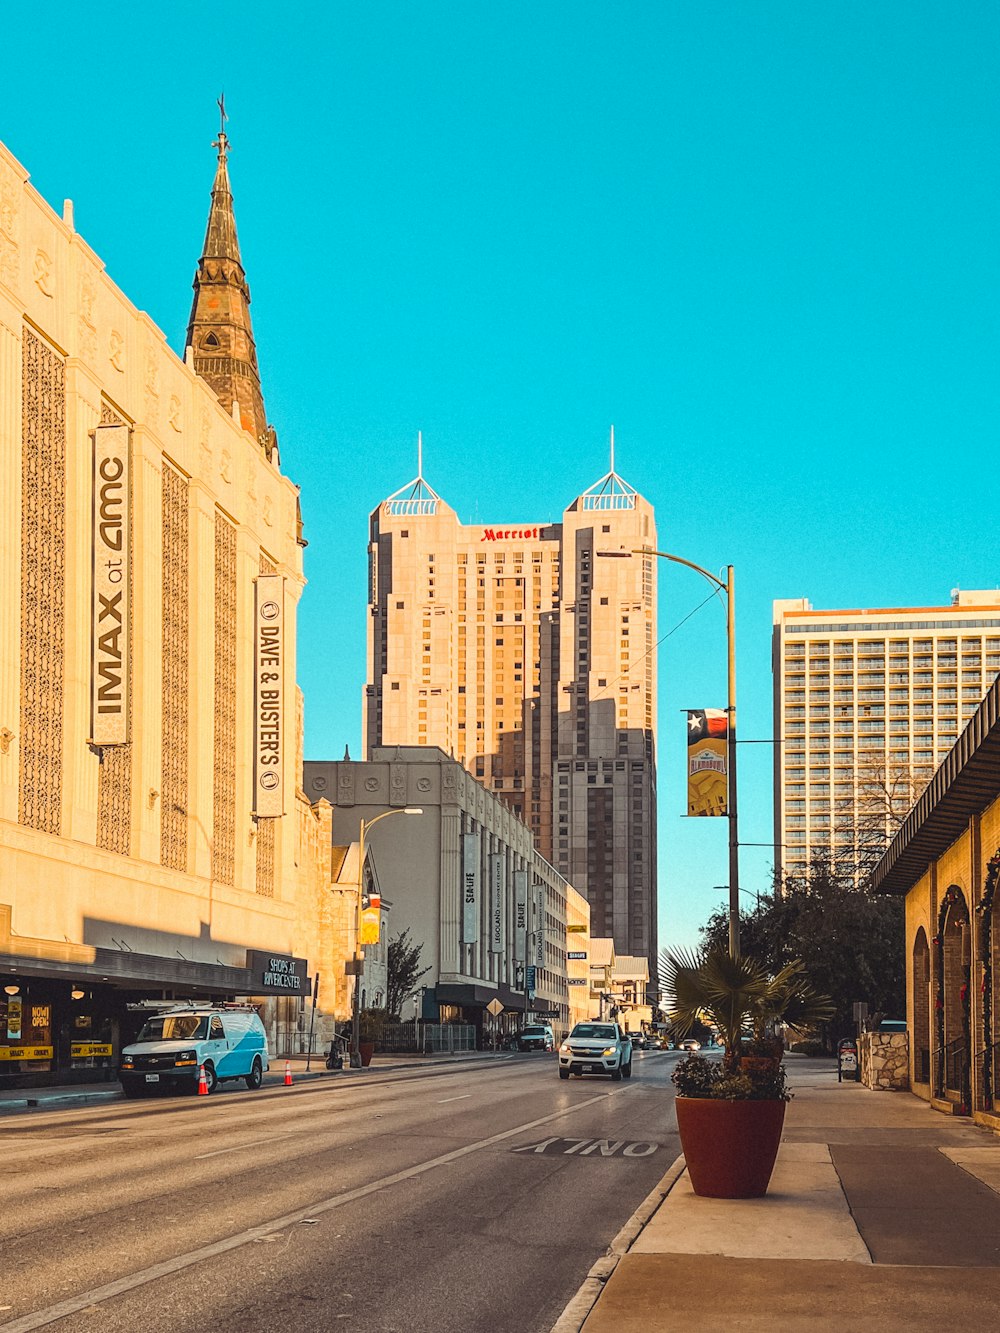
(964, 785)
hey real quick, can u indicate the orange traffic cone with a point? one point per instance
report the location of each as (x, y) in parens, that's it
(288, 1073)
(202, 1082)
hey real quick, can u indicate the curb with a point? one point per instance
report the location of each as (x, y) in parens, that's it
(579, 1306)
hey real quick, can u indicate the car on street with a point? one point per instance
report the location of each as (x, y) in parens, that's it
(596, 1048)
(536, 1037)
(689, 1044)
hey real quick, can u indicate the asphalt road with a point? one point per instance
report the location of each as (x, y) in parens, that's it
(457, 1200)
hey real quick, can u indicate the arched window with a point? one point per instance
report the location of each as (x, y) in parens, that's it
(210, 340)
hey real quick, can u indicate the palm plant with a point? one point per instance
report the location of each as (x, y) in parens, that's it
(736, 995)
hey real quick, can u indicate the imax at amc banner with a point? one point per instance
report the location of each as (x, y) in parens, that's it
(112, 541)
(269, 657)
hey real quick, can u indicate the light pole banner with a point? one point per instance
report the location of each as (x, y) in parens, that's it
(708, 777)
(521, 916)
(112, 543)
(498, 920)
(269, 674)
(470, 888)
(539, 925)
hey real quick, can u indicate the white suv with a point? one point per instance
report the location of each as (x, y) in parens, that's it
(596, 1048)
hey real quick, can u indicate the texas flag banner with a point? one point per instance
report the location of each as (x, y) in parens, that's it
(708, 777)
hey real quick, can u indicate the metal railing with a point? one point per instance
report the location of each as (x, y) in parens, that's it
(952, 1062)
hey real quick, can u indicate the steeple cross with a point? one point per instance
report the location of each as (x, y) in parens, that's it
(222, 142)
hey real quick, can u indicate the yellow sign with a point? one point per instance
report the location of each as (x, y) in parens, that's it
(25, 1053)
(86, 1050)
(708, 777)
(576, 930)
(371, 921)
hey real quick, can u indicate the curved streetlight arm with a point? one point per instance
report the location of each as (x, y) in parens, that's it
(728, 587)
(366, 824)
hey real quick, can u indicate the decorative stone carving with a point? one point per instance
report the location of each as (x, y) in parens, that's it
(319, 783)
(43, 582)
(116, 351)
(9, 249)
(345, 785)
(85, 324)
(41, 271)
(224, 790)
(423, 784)
(204, 448)
(174, 413)
(174, 656)
(150, 385)
(397, 784)
(371, 784)
(226, 466)
(268, 511)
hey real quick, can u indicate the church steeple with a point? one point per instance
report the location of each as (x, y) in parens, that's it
(220, 334)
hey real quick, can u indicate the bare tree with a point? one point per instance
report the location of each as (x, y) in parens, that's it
(865, 821)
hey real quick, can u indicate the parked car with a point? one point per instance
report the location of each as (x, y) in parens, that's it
(596, 1048)
(174, 1046)
(536, 1037)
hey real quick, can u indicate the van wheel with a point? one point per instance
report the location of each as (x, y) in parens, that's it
(133, 1090)
(256, 1076)
(564, 1073)
(616, 1076)
(627, 1071)
(211, 1077)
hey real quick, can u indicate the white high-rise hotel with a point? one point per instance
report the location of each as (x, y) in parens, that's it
(868, 703)
(533, 662)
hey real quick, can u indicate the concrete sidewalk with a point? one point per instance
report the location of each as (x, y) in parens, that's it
(81, 1094)
(881, 1214)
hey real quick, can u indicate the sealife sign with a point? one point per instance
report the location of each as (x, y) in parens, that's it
(112, 587)
(269, 650)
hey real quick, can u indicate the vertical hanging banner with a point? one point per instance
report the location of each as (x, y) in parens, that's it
(521, 916)
(269, 658)
(112, 544)
(371, 919)
(539, 925)
(708, 777)
(470, 888)
(497, 904)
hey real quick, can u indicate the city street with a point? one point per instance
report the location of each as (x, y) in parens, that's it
(466, 1198)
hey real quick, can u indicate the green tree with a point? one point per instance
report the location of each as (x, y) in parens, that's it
(403, 971)
(850, 941)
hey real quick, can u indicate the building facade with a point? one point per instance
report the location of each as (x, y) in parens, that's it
(140, 506)
(464, 878)
(866, 704)
(533, 661)
(945, 861)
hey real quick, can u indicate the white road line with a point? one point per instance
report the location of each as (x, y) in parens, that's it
(271, 1138)
(442, 1100)
(42, 1318)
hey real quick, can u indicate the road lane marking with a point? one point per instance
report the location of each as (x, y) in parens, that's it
(464, 1095)
(271, 1138)
(586, 1148)
(87, 1299)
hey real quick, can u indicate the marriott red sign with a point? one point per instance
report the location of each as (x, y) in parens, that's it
(509, 534)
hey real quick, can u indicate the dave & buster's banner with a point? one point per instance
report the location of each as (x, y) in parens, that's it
(708, 778)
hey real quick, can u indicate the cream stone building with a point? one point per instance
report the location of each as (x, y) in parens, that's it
(153, 838)
(464, 878)
(867, 704)
(581, 1007)
(531, 660)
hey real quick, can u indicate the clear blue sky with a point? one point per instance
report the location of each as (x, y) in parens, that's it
(763, 239)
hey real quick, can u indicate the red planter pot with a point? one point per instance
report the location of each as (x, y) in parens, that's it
(729, 1147)
(366, 1050)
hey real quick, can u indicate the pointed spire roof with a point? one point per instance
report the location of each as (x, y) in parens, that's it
(220, 334)
(611, 491)
(416, 497)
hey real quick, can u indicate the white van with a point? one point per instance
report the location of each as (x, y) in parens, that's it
(173, 1046)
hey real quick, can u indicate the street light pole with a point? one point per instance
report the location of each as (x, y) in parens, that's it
(729, 588)
(366, 824)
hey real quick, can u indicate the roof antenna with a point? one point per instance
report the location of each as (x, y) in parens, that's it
(420, 455)
(612, 448)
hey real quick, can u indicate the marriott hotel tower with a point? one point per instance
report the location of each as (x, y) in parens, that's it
(533, 661)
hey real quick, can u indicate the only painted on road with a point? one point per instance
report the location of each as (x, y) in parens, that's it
(595, 1148)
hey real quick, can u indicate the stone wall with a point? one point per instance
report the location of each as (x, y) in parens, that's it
(885, 1061)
